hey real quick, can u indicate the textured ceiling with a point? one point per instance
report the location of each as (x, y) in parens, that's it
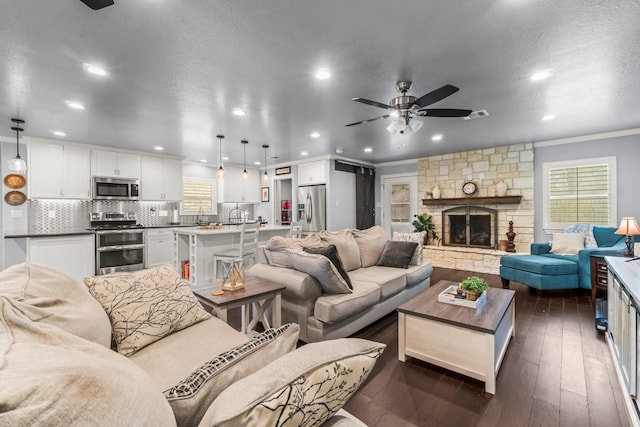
(178, 67)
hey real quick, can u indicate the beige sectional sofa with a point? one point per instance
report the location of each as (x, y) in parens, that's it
(310, 299)
(134, 349)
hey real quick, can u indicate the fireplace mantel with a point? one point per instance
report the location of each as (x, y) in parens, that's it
(496, 200)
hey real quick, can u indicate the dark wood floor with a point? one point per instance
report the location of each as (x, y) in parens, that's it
(557, 372)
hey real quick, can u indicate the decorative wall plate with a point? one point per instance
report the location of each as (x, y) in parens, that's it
(15, 198)
(13, 180)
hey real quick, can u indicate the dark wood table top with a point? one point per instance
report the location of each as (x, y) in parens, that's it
(253, 287)
(484, 319)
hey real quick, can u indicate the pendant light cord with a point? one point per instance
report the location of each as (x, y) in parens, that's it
(18, 129)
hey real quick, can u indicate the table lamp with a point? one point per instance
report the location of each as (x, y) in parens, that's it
(628, 227)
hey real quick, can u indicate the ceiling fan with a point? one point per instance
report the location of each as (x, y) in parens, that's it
(405, 107)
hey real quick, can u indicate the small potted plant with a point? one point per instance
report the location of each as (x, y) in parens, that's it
(424, 222)
(474, 287)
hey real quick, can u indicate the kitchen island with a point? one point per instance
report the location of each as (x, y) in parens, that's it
(197, 246)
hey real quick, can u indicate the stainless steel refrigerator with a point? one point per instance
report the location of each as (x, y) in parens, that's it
(312, 210)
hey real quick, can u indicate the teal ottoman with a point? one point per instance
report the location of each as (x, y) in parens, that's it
(539, 272)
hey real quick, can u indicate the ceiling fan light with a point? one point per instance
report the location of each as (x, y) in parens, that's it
(391, 128)
(415, 125)
(18, 165)
(399, 124)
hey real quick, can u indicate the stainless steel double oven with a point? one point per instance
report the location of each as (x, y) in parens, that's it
(120, 242)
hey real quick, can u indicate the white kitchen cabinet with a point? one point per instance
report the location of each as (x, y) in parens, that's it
(58, 171)
(233, 188)
(115, 164)
(71, 255)
(312, 173)
(159, 247)
(161, 178)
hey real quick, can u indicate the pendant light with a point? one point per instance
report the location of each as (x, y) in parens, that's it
(220, 172)
(244, 142)
(18, 164)
(265, 177)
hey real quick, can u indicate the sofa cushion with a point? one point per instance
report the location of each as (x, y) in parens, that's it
(587, 231)
(539, 264)
(606, 237)
(145, 305)
(347, 247)
(397, 254)
(46, 295)
(332, 254)
(49, 377)
(370, 244)
(322, 269)
(191, 397)
(332, 308)
(418, 273)
(567, 243)
(302, 388)
(416, 259)
(390, 280)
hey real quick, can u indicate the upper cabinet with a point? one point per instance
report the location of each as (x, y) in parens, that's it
(312, 173)
(115, 164)
(161, 179)
(233, 188)
(58, 171)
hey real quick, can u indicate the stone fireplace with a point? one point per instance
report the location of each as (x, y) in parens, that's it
(470, 226)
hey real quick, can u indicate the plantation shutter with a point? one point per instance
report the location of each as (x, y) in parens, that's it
(579, 194)
(198, 196)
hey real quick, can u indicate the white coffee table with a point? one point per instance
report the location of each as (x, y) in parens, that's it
(469, 341)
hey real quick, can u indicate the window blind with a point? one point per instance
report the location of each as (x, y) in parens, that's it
(198, 196)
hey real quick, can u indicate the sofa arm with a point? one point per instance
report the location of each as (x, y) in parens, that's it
(299, 285)
(540, 248)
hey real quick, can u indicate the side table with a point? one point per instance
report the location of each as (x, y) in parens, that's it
(254, 299)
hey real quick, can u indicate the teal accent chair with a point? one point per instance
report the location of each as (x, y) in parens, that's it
(543, 270)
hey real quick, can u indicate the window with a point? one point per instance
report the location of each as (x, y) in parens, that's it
(580, 191)
(199, 196)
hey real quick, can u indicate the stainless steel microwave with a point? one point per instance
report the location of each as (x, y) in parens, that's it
(104, 188)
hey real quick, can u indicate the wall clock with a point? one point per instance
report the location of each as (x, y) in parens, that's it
(468, 188)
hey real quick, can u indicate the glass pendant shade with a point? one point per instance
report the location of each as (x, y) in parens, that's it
(17, 164)
(245, 174)
(265, 177)
(220, 171)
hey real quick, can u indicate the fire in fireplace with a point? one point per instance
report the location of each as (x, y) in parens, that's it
(470, 226)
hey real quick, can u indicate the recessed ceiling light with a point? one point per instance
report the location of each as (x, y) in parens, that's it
(304, 153)
(368, 150)
(257, 163)
(203, 160)
(94, 69)
(315, 135)
(158, 148)
(541, 75)
(75, 105)
(339, 150)
(238, 112)
(58, 133)
(225, 158)
(548, 117)
(323, 74)
(437, 137)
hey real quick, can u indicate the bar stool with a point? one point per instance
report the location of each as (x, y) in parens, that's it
(295, 229)
(246, 249)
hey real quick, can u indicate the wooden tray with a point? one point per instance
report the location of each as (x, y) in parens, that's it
(15, 198)
(14, 180)
(448, 296)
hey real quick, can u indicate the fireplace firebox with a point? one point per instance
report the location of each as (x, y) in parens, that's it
(470, 226)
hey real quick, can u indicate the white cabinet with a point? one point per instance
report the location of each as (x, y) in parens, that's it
(233, 188)
(159, 247)
(71, 255)
(115, 164)
(312, 172)
(161, 178)
(58, 171)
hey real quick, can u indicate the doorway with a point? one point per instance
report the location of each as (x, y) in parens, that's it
(399, 202)
(282, 201)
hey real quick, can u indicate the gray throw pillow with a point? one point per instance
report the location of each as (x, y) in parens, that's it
(397, 254)
(331, 252)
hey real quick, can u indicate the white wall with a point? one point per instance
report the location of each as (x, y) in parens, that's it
(341, 199)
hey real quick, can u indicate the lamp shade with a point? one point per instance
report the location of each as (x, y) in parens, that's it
(18, 165)
(628, 227)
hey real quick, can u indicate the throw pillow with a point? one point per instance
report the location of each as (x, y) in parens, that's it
(347, 247)
(606, 237)
(416, 259)
(48, 296)
(323, 270)
(50, 377)
(567, 243)
(587, 231)
(397, 254)
(192, 396)
(370, 242)
(331, 252)
(302, 388)
(145, 305)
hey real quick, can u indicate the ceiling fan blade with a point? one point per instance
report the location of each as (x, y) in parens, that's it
(369, 102)
(369, 120)
(445, 112)
(436, 95)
